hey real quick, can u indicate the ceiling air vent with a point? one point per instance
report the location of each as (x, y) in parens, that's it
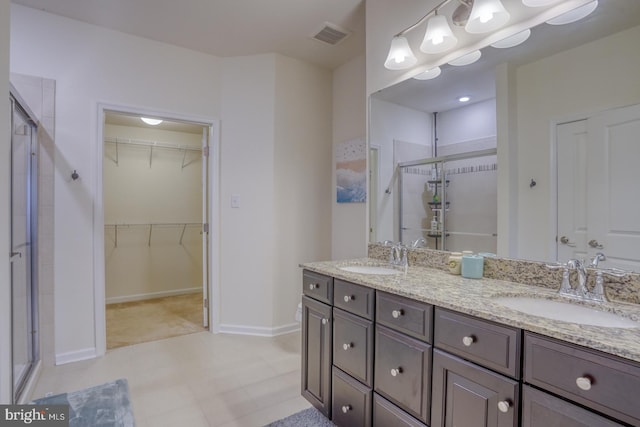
(331, 34)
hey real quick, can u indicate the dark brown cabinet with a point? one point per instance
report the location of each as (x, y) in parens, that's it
(353, 345)
(316, 354)
(600, 382)
(403, 371)
(465, 394)
(540, 409)
(351, 401)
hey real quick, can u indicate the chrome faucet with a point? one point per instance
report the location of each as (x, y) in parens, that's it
(399, 255)
(581, 291)
(419, 243)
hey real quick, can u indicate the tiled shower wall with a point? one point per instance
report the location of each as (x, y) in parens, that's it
(39, 95)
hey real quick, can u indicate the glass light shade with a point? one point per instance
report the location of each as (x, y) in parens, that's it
(439, 36)
(400, 55)
(514, 40)
(486, 15)
(467, 59)
(429, 74)
(538, 3)
(574, 15)
(152, 122)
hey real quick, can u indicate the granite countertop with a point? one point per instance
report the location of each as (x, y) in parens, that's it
(475, 297)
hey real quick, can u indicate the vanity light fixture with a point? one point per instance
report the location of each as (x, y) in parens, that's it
(152, 122)
(439, 37)
(513, 40)
(400, 54)
(429, 74)
(574, 15)
(464, 99)
(486, 16)
(476, 16)
(467, 59)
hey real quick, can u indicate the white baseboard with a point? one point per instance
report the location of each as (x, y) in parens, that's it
(76, 356)
(259, 330)
(152, 295)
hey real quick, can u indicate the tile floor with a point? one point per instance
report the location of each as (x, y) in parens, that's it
(196, 380)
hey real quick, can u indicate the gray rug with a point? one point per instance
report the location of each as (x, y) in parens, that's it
(105, 405)
(307, 418)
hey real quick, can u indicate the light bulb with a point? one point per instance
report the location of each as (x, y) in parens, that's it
(400, 54)
(439, 36)
(486, 15)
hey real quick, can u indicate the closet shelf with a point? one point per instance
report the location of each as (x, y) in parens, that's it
(153, 144)
(151, 226)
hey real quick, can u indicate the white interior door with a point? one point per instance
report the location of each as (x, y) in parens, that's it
(613, 179)
(572, 190)
(205, 228)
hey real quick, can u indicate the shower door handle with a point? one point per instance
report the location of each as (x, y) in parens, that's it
(14, 255)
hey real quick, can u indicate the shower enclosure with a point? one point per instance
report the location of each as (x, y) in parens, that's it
(23, 246)
(450, 201)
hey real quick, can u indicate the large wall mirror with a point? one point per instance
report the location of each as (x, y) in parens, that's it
(564, 105)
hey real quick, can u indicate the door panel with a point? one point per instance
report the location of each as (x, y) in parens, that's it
(23, 327)
(613, 205)
(572, 190)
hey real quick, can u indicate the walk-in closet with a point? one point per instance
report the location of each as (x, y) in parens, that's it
(154, 187)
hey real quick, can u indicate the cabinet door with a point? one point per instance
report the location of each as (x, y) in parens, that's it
(353, 345)
(402, 371)
(316, 354)
(540, 409)
(467, 395)
(351, 401)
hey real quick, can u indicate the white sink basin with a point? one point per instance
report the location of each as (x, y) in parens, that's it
(566, 312)
(370, 269)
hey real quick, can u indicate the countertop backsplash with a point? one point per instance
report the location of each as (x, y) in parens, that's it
(626, 289)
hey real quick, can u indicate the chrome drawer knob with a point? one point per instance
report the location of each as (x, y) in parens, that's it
(346, 408)
(396, 371)
(467, 341)
(348, 298)
(347, 346)
(504, 405)
(313, 286)
(397, 313)
(584, 383)
(325, 321)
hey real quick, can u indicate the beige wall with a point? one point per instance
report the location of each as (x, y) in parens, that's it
(5, 180)
(349, 227)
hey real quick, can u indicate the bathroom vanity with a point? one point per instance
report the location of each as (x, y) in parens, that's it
(425, 348)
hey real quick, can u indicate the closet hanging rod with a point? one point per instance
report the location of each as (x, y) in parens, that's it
(153, 144)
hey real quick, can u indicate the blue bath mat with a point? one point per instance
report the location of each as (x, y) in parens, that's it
(105, 405)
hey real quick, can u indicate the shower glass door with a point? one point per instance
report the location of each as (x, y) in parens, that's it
(22, 278)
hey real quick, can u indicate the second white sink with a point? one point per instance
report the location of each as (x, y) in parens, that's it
(370, 269)
(566, 312)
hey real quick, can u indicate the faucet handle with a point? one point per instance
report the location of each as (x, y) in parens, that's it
(558, 266)
(615, 272)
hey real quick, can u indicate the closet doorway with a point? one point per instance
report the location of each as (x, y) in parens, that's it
(155, 228)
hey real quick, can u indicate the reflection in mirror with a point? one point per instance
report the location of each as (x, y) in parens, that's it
(562, 74)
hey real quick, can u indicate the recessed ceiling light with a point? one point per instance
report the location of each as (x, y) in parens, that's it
(574, 15)
(464, 99)
(152, 122)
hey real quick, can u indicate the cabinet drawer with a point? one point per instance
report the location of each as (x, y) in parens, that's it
(494, 346)
(540, 409)
(353, 345)
(403, 372)
(467, 395)
(317, 286)
(387, 414)
(351, 401)
(354, 298)
(602, 382)
(405, 315)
